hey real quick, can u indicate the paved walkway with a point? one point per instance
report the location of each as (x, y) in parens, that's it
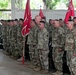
(9, 66)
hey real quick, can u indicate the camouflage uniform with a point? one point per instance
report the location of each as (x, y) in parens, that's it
(36, 50)
(10, 40)
(4, 36)
(14, 41)
(70, 47)
(43, 39)
(46, 25)
(7, 38)
(19, 39)
(50, 29)
(58, 45)
(32, 44)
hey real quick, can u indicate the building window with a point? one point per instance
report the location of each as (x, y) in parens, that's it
(5, 9)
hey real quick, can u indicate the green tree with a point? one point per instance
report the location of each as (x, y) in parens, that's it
(4, 4)
(51, 4)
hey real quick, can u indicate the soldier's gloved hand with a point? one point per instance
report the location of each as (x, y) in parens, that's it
(60, 49)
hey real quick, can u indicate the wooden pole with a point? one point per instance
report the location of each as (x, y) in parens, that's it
(23, 54)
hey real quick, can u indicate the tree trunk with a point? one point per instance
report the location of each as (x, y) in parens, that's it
(44, 1)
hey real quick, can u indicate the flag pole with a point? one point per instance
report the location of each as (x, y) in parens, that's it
(40, 6)
(23, 54)
(26, 27)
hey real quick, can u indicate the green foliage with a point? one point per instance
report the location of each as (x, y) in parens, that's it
(4, 4)
(50, 4)
(0, 14)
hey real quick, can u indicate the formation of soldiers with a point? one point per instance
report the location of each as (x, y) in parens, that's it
(12, 37)
(47, 42)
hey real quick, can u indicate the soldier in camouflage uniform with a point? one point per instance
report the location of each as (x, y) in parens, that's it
(32, 42)
(20, 38)
(15, 51)
(43, 39)
(50, 29)
(37, 21)
(4, 34)
(10, 37)
(70, 47)
(58, 45)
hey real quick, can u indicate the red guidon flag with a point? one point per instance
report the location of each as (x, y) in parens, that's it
(70, 12)
(41, 13)
(27, 19)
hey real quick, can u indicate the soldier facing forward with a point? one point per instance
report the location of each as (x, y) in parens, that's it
(43, 40)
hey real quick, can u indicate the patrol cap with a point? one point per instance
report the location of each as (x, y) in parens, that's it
(21, 19)
(60, 19)
(33, 20)
(42, 22)
(74, 18)
(70, 21)
(8, 20)
(16, 20)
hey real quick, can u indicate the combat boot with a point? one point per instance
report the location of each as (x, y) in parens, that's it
(44, 71)
(57, 73)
